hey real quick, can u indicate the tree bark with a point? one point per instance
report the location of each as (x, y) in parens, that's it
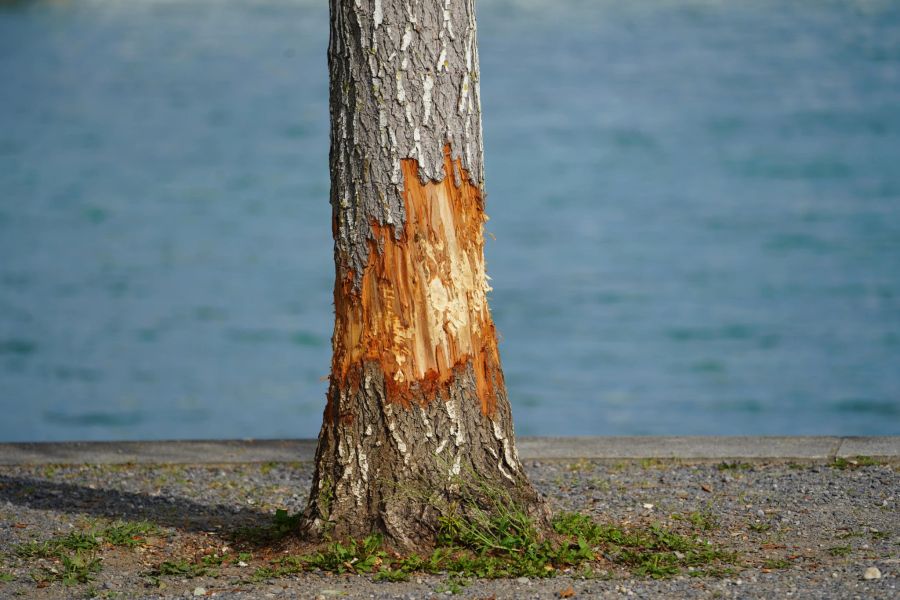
(416, 402)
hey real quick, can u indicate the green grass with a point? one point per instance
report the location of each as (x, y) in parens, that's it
(6, 577)
(734, 466)
(854, 463)
(497, 539)
(776, 563)
(119, 533)
(840, 551)
(701, 520)
(759, 527)
(76, 567)
(76, 552)
(129, 533)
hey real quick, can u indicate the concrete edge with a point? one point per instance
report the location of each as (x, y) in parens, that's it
(691, 448)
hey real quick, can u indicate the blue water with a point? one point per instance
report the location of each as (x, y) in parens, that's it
(696, 207)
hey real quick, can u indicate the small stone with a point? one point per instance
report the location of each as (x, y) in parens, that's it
(648, 506)
(199, 591)
(523, 580)
(872, 573)
(242, 563)
(761, 513)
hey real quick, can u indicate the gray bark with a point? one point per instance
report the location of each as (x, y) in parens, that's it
(404, 82)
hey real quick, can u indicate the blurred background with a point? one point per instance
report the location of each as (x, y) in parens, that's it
(696, 207)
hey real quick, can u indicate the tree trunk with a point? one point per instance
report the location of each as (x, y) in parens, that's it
(417, 402)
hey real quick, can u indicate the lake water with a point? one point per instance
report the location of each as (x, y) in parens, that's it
(696, 207)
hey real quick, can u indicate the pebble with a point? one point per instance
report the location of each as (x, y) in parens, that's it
(761, 513)
(199, 591)
(523, 580)
(872, 573)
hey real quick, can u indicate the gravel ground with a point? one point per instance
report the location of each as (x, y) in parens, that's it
(801, 530)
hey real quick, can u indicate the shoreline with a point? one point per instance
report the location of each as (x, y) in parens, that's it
(694, 448)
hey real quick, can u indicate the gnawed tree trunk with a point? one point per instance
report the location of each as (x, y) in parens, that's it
(417, 401)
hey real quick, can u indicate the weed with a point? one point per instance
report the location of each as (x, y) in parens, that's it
(356, 557)
(35, 549)
(848, 534)
(180, 568)
(454, 586)
(704, 521)
(878, 535)
(77, 540)
(776, 563)
(581, 466)
(6, 577)
(840, 551)
(734, 466)
(116, 534)
(79, 567)
(759, 527)
(391, 575)
(129, 534)
(487, 534)
(652, 551)
(854, 463)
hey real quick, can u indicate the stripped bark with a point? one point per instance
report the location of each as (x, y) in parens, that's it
(416, 399)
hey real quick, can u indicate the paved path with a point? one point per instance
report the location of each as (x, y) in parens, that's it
(530, 448)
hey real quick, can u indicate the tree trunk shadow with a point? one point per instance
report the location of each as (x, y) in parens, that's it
(180, 513)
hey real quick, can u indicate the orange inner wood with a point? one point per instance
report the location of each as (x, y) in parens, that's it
(421, 309)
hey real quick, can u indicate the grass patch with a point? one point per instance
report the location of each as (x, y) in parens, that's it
(119, 533)
(75, 553)
(75, 567)
(207, 565)
(734, 466)
(129, 533)
(776, 563)
(501, 541)
(6, 577)
(759, 527)
(854, 463)
(840, 551)
(701, 520)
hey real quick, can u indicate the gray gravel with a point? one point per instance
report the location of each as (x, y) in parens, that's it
(792, 515)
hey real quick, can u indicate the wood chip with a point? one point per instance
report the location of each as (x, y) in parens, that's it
(567, 593)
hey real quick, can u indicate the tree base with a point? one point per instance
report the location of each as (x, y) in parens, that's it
(401, 472)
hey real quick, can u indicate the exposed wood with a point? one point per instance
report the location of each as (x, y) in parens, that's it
(421, 311)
